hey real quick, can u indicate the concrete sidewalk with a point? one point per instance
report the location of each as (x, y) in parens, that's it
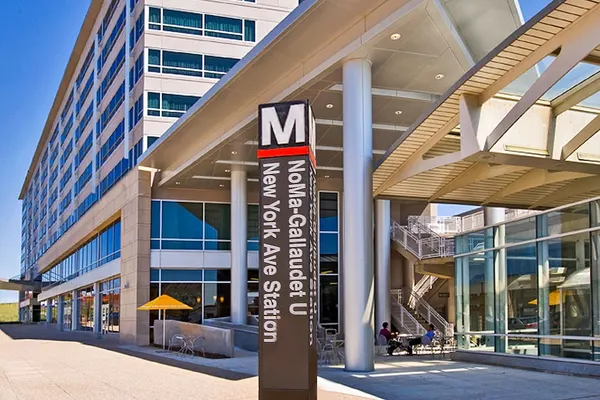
(41, 363)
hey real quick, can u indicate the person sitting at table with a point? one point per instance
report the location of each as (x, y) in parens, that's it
(424, 340)
(385, 331)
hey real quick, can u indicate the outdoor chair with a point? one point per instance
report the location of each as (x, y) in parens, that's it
(381, 345)
(176, 341)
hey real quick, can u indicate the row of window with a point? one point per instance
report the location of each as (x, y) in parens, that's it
(84, 178)
(53, 176)
(136, 32)
(202, 24)
(66, 129)
(136, 112)
(86, 64)
(66, 153)
(111, 144)
(53, 197)
(85, 120)
(200, 65)
(111, 108)
(54, 155)
(111, 41)
(84, 93)
(121, 168)
(98, 251)
(169, 105)
(65, 202)
(84, 149)
(111, 75)
(110, 11)
(136, 72)
(66, 177)
(67, 107)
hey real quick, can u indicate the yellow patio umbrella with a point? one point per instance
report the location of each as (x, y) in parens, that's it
(553, 299)
(163, 303)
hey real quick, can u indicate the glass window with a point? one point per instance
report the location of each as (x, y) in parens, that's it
(182, 220)
(521, 230)
(329, 299)
(216, 67)
(228, 28)
(181, 63)
(253, 224)
(249, 31)
(568, 219)
(328, 212)
(521, 297)
(217, 275)
(175, 20)
(218, 221)
(566, 303)
(253, 298)
(217, 300)
(155, 220)
(181, 275)
(328, 253)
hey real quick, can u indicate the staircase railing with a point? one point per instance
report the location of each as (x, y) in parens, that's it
(425, 310)
(402, 318)
(424, 284)
(421, 241)
(442, 226)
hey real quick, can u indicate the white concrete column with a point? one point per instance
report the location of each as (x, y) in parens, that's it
(239, 247)
(382, 262)
(60, 310)
(74, 310)
(358, 282)
(49, 308)
(97, 309)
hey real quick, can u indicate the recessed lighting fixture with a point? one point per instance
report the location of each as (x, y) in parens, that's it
(221, 185)
(228, 170)
(329, 105)
(395, 36)
(326, 176)
(398, 112)
(234, 152)
(439, 76)
(178, 183)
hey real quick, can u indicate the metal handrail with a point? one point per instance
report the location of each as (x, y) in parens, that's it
(425, 310)
(425, 284)
(402, 318)
(430, 246)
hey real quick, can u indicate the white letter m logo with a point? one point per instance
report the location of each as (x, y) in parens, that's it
(283, 135)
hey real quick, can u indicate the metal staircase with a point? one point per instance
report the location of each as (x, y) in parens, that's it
(421, 241)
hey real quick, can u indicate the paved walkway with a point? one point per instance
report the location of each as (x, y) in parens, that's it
(43, 364)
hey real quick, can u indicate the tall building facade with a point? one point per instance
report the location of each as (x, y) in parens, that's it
(136, 67)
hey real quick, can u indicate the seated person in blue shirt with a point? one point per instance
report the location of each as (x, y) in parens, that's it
(425, 339)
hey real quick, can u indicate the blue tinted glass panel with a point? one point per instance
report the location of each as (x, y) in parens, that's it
(218, 221)
(154, 275)
(182, 245)
(213, 245)
(217, 275)
(181, 275)
(182, 220)
(155, 219)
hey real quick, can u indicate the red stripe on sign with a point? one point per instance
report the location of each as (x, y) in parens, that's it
(283, 152)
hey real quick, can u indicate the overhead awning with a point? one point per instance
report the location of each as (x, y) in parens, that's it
(497, 139)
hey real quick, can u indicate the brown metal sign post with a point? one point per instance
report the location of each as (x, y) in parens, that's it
(288, 252)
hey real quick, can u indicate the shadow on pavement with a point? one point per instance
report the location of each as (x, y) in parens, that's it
(110, 343)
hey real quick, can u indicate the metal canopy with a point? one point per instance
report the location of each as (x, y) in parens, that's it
(525, 149)
(302, 59)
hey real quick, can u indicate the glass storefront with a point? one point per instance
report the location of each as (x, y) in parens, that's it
(532, 286)
(86, 309)
(111, 305)
(67, 311)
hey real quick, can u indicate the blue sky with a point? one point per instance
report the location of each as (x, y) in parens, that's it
(33, 62)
